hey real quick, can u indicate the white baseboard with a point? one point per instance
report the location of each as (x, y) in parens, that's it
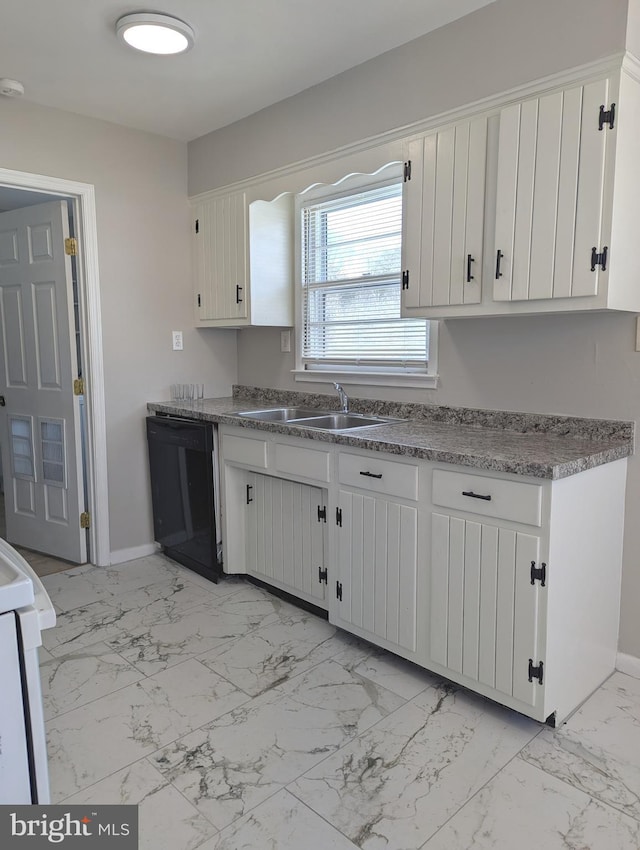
(121, 556)
(628, 664)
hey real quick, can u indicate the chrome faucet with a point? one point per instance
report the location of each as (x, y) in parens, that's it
(344, 398)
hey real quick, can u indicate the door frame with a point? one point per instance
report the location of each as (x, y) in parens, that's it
(82, 196)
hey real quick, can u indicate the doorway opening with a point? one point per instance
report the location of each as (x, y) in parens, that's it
(21, 189)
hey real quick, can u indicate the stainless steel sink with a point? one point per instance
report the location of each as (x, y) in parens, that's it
(320, 419)
(342, 421)
(280, 414)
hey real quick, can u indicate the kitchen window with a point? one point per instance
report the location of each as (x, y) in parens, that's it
(350, 246)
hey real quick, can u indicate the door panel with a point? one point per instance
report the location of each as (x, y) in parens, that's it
(40, 425)
(550, 190)
(220, 257)
(593, 148)
(484, 609)
(378, 563)
(444, 216)
(284, 540)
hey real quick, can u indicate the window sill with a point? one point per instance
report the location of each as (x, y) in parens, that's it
(378, 379)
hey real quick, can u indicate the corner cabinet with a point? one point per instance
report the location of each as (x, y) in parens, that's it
(562, 202)
(242, 257)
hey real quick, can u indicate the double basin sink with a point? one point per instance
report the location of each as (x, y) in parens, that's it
(323, 420)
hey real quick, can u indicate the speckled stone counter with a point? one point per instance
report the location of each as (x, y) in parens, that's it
(537, 445)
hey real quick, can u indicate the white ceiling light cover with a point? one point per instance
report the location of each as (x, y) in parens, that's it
(153, 33)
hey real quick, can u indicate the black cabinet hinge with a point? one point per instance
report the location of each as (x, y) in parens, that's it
(538, 573)
(249, 497)
(405, 279)
(406, 172)
(339, 517)
(197, 225)
(322, 514)
(599, 259)
(322, 575)
(339, 590)
(607, 117)
(535, 672)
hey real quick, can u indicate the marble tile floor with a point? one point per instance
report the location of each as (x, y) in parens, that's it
(239, 722)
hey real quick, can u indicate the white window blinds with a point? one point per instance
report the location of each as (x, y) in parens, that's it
(351, 284)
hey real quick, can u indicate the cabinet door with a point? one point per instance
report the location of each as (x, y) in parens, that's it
(484, 609)
(444, 216)
(220, 245)
(550, 191)
(284, 535)
(377, 565)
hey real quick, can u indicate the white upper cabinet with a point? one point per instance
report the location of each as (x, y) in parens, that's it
(243, 261)
(220, 258)
(556, 207)
(444, 198)
(551, 241)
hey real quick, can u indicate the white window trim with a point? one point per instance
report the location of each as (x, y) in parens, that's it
(364, 377)
(424, 380)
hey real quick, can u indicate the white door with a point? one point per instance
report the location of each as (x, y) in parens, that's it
(284, 535)
(220, 257)
(550, 195)
(484, 607)
(378, 568)
(40, 421)
(444, 216)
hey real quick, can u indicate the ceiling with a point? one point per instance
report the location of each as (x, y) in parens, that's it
(248, 54)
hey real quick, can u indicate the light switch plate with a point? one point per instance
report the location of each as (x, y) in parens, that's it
(176, 337)
(285, 340)
(638, 333)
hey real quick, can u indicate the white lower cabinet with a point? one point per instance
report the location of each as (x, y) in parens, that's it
(505, 584)
(484, 605)
(285, 536)
(377, 569)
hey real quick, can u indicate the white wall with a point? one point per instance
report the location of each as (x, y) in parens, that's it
(576, 365)
(498, 47)
(143, 243)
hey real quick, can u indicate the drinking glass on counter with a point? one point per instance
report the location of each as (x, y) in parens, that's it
(187, 392)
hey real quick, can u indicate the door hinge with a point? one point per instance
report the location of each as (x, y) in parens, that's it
(406, 172)
(339, 590)
(85, 519)
(339, 517)
(197, 225)
(322, 514)
(405, 279)
(71, 246)
(607, 117)
(538, 573)
(599, 259)
(322, 575)
(535, 672)
(78, 386)
(249, 496)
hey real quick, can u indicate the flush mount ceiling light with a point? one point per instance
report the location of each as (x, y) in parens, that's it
(155, 33)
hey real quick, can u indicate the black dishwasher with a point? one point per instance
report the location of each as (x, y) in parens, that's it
(181, 465)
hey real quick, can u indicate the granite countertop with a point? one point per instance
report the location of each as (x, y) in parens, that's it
(536, 445)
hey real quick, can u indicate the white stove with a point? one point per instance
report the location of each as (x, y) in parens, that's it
(25, 610)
